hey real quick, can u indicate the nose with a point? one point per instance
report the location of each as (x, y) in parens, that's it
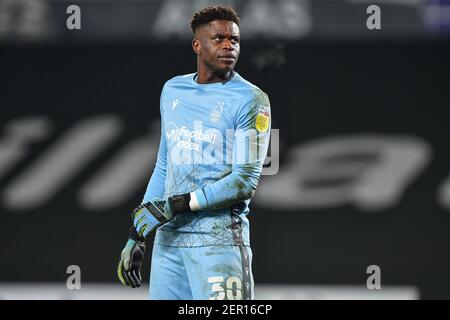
(227, 45)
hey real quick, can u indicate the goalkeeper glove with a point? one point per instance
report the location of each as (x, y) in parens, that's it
(146, 218)
(129, 270)
(150, 215)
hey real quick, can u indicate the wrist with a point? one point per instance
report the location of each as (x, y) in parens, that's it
(179, 203)
(193, 203)
(134, 235)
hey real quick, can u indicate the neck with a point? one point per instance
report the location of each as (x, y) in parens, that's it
(205, 75)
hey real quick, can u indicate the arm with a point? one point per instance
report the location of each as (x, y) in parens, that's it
(129, 269)
(156, 185)
(250, 146)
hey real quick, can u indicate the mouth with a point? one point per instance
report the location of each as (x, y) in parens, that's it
(228, 58)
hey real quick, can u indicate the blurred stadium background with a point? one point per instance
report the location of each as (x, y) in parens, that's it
(364, 120)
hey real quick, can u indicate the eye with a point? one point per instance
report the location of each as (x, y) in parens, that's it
(234, 40)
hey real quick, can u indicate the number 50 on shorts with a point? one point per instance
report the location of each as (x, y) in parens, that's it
(231, 289)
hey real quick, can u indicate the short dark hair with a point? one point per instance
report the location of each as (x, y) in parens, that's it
(208, 14)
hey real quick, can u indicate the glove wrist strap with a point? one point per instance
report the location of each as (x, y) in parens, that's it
(135, 236)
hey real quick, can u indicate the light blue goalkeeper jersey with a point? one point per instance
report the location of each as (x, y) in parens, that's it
(214, 139)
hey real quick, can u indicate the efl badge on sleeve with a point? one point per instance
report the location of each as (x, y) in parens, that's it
(262, 119)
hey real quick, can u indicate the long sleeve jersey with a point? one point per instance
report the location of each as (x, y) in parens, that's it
(214, 139)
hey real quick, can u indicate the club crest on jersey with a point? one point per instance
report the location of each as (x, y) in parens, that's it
(262, 118)
(217, 111)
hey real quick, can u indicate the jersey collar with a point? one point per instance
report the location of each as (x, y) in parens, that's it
(222, 82)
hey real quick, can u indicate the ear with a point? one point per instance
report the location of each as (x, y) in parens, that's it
(196, 46)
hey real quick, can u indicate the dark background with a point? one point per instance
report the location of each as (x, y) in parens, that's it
(328, 77)
(316, 89)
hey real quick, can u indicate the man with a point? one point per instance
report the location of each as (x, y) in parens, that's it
(215, 129)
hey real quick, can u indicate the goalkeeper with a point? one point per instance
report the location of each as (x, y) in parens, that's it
(215, 128)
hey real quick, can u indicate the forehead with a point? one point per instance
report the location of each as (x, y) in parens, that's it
(219, 26)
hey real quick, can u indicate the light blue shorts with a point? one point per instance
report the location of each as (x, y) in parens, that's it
(201, 273)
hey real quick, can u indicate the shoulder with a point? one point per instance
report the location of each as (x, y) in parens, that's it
(180, 79)
(249, 91)
(252, 97)
(185, 79)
